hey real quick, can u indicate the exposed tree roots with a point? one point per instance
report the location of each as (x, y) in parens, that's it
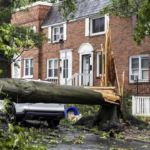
(108, 118)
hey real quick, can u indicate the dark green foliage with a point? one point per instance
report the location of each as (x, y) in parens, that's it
(125, 8)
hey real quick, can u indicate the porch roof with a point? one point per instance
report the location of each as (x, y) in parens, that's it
(85, 8)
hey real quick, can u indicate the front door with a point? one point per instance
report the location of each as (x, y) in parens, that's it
(85, 70)
(67, 67)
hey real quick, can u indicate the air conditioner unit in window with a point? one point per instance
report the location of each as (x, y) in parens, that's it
(61, 40)
(134, 77)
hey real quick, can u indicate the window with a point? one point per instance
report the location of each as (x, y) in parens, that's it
(98, 25)
(57, 33)
(28, 67)
(52, 68)
(99, 63)
(139, 67)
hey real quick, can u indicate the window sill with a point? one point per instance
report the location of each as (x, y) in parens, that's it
(51, 78)
(100, 33)
(27, 77)
(135, 83)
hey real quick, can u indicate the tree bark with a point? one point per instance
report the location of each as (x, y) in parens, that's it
(35, 92)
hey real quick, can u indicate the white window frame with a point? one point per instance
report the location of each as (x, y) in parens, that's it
(140, 69)
(53, 59)
(91, 25)
(98, 54)
(28, 76)
(59, 32)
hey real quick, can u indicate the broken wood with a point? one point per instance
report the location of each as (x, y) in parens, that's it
(102, 56)
(118, 84)
(111, 97)
(122, 90)
(107, 91)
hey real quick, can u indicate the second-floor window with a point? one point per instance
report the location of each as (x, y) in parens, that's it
(28, 67)
(52, 68)
(58, 33)
(97, 26)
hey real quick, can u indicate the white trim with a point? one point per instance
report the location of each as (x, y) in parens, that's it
(65, 31)
(34, 4)
(87, 25)
(68, 50)
(53, 25)
(130, 69)
(85, 44)
(91, 24)
(50, 34)
(53, 59)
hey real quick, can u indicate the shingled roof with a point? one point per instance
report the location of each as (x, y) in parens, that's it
(85, 8)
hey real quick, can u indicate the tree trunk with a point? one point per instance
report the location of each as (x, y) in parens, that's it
(35, 92)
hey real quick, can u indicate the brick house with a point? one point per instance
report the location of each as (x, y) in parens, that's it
(81, 38)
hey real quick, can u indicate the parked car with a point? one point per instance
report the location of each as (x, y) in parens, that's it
(52, 113)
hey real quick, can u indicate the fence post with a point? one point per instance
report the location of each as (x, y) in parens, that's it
(137, 86)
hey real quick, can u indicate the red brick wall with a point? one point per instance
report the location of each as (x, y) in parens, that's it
(33, 17)
(123, 46)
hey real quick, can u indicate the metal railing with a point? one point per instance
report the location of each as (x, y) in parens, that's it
(79, 79)
(143, 87)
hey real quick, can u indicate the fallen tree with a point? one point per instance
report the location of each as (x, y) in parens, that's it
(108, 117)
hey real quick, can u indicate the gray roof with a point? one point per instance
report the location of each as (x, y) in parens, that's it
(85, 8)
